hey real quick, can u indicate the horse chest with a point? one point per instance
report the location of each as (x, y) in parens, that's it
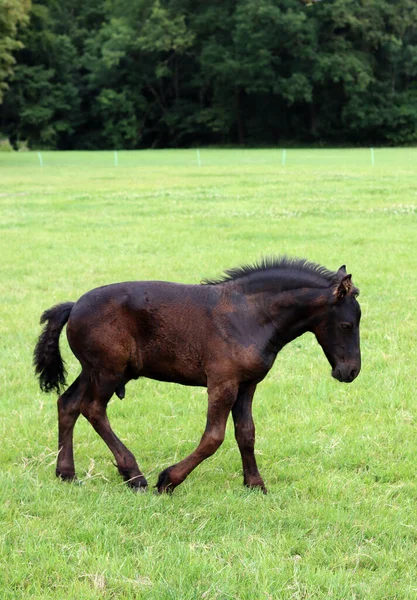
(255, 364)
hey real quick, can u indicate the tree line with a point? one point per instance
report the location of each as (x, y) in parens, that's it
(166, 73)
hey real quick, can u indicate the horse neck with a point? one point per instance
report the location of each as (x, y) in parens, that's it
(288, 311)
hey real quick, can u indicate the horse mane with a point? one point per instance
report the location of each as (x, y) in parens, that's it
(268, 264)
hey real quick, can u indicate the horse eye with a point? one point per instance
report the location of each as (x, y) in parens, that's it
(346, 326)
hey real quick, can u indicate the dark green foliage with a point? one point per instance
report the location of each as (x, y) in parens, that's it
(12, 14)
(154, 73)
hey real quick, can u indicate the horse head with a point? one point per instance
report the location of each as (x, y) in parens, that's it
(337, 331)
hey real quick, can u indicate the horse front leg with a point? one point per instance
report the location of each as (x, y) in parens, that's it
(245, 436)
(221, 398)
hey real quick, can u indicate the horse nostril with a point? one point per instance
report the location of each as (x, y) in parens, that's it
(353, 374)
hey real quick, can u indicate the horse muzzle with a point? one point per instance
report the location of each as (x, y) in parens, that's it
(346, 372)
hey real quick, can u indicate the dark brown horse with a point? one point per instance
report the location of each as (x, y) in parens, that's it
(223, 334)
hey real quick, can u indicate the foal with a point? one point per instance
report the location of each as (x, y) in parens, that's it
(222, 334)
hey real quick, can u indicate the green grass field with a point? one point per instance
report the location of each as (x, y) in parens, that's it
(339, 461)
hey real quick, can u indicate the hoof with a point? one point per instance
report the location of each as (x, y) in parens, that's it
(257, 486)
(66, 475)
(165, 484)
(137, 483)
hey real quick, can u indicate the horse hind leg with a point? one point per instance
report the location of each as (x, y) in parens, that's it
(68, 413)
(94, 409)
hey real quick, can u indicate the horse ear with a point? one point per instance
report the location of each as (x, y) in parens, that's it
(344, 286)
(342, 271)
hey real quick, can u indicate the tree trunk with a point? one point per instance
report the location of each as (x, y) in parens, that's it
(239, 117)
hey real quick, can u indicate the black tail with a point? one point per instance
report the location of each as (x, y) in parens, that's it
(47, 360)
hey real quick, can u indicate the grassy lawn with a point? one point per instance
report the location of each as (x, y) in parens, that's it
(339, 460)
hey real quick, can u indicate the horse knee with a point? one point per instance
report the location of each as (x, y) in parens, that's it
(245, 437)
(212, 441)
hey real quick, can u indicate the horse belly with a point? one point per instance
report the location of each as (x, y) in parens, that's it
(172, 360)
